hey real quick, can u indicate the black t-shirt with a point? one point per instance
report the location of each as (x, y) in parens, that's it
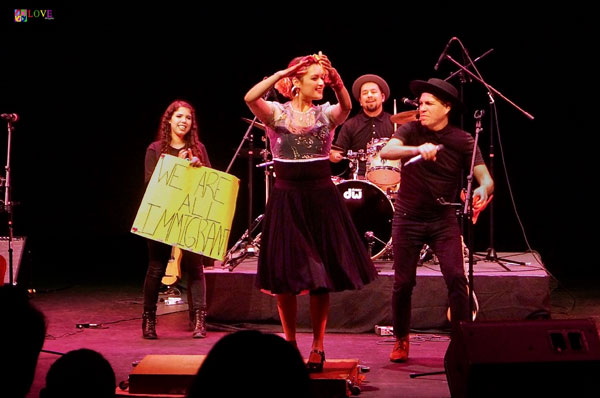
(423, 183)
(359, 130)
(153, 153)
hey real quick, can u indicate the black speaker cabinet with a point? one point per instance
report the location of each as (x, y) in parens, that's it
(537, 358)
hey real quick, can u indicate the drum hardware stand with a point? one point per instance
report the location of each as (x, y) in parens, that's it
(245, 244)
(426, 255)
(354, 157)
(370, 237)
(241, 249)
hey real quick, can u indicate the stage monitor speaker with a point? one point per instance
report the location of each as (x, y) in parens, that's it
(164, 374)
(17, 244)
(537, 358)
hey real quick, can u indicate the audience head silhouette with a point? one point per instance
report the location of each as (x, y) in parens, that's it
(248, 363)
(80, 373)
(22, 333)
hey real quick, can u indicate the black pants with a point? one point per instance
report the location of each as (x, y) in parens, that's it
(191, 264)
(443, 236)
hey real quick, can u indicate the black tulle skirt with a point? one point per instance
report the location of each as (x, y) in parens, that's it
(308, 241)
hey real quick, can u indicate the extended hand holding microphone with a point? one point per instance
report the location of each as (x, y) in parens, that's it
(419, 157)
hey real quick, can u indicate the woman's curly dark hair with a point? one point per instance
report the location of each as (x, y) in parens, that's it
(163, 134)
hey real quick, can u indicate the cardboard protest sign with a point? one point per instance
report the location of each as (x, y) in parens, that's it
(188, 207)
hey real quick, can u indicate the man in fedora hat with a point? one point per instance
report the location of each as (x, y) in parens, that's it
(371, 91)
(433, 153)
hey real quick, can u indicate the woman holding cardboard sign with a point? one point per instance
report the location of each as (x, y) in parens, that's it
(309, 242)
(177, 136)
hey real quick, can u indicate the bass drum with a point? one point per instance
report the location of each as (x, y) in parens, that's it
(372, 212)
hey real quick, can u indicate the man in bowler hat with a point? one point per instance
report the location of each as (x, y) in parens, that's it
(372, 122)
(420, 217)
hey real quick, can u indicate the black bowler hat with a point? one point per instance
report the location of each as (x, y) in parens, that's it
(383, 86)
(440, 88)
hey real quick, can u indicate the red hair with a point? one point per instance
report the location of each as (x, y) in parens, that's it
(285, 85)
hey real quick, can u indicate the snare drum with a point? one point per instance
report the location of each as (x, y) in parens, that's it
(381, 172)
(371, 211)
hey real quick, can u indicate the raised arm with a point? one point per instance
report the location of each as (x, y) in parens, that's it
(254, 97)
(342, 109)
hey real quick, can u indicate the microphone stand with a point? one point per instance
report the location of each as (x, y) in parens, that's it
(490, 88)
(7, 205)
(245, 244)
(491, 252)
(467, 215)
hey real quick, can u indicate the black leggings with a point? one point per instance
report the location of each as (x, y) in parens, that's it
(191, 264)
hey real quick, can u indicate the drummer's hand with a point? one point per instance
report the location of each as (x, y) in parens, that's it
(428, 151)
(335, 156)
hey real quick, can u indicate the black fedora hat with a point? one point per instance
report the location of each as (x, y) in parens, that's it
(383, 86)
(440, 88)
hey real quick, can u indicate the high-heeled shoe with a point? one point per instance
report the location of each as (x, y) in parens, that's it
(315, 362)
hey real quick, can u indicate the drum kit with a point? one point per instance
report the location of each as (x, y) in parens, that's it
(369, 199)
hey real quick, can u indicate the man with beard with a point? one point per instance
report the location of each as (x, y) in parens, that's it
(371, 91)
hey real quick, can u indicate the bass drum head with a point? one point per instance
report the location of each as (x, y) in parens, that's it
(341, 168)
(371, 210)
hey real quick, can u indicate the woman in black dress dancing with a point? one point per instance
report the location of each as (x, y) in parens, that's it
(309, 242)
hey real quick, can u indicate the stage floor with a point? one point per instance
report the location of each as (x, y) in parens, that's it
(512, 293)
(516, 288)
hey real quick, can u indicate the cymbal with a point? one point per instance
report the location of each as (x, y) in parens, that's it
(337, 148)
(404, 117)
(257, 123)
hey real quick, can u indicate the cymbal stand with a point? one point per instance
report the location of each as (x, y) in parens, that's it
(7, 205)
(370, 237)
(245, 243)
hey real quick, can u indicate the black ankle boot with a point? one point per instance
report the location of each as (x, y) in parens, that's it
(198, 320)
(149, 325)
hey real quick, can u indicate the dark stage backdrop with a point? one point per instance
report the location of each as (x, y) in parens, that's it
(90, 86)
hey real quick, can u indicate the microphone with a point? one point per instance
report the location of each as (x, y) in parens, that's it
(437, 64)
(11, 117)
(408, 101)
(418, 158)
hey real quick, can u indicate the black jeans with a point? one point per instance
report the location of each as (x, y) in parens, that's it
(191, 264)
(443, 236)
